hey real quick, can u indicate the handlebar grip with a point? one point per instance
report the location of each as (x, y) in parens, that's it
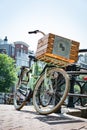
(83, 50)
(33, 31)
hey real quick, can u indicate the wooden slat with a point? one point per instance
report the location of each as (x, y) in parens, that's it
(59, 58)
(42, 48)
(74, 47)
(75, 43)
(39, 54)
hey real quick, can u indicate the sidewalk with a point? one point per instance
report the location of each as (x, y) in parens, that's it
(29, 119)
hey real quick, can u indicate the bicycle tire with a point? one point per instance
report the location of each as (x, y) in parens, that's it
(62, 79)
(20, 92)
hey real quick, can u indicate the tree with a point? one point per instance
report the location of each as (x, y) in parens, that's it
(7, 73)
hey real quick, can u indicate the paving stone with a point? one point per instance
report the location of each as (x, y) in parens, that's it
(29, 119)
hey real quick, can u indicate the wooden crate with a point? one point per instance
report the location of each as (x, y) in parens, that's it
(57, 50)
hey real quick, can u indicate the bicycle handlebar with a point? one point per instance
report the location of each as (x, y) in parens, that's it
(36, 31)
(83, 50)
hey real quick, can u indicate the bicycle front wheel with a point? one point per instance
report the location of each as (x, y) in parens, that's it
(48, 99)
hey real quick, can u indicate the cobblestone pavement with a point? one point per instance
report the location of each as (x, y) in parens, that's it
(29, 119)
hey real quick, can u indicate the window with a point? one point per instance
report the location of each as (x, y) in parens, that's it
(12, 51)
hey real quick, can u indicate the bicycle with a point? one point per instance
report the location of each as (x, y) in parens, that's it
(49, 88)
(78, 78)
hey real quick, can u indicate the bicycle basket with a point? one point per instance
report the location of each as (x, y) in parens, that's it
(57, 50)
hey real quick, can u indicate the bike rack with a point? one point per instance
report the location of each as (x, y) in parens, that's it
(72, 81)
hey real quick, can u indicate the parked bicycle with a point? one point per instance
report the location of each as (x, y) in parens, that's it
(77, 95)
(52, 83)
(49, 86)
(78, 78)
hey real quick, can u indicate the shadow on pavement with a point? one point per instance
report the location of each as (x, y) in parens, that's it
(59, 119)
(31, 112)
(53, 119)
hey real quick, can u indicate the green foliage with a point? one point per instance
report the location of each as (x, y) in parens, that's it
(7, 73)
(77, 89)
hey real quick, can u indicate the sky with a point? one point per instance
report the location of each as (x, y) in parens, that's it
(67, 18)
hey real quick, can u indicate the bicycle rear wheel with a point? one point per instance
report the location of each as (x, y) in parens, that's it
(21, 91)
(48, 99)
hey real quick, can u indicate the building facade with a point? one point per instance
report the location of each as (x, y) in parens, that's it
(18, 50)
(9, 48)
(21, 53)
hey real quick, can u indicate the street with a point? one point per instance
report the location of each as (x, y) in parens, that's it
(29, 119)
